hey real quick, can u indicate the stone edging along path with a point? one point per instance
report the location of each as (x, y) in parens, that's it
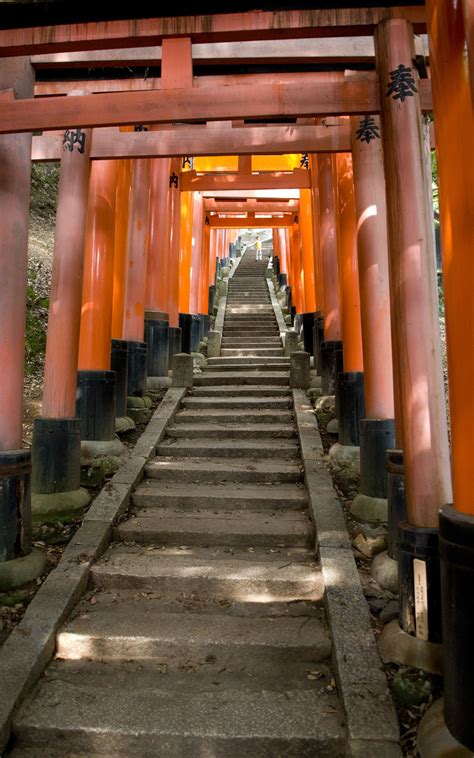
(372, 723)
(31, 644)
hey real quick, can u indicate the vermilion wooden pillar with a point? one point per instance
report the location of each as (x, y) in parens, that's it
(56, 436)
(347, 263)
(197, 258)
(413, 291)
(205, 291)
(413, 280)
(97, 384)
(185, 251)
(307, 250)
(62, 345)
(122, 203)
(318, 275)
(450, 34)
(174, 230)
(377, 434)
(96, 315)
(157, 285)
(328, 239)
(15, 464)
(296, 267)
(137, 248)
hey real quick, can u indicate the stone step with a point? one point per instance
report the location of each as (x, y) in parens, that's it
(250, 528)
(235, 416)
(251, 342)
(153, 493)
(251, 328)
(252, 352)
(276, 378)
(243, 576)
(198, 470)
(264, 364)
(235, 431)
(121, 630)
(112, 710)
(232, 391)
(256, 322)
(225, 448)
(247, 360)
(244, 403)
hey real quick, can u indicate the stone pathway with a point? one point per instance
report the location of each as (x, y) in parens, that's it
(204, 632)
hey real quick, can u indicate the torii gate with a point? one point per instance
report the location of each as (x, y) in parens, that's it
(397, 96)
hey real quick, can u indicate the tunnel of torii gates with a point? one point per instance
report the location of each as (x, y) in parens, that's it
(147, 214)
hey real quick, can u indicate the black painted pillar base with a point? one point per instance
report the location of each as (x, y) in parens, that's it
(331, 365)
(95, 404)
(119, 364)
(376, 437)
(137, 368)
(205, 322)
(289, 298)
(175, 342)
(56, 455)
(350, 405)
(157, 338)
(308, 324)
(190, 328)
(283, 280)
(397, 506)
(456, 546)
(419, 582)
(318, 339)
(211, 299)
(15, 504)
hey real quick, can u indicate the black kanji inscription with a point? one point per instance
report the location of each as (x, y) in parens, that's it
(74, 137)
(304, 161)
(401, 84)
(174, 179)
(368, 130)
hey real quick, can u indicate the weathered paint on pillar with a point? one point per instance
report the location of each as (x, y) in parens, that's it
(212, 254)
(298, 289)
(15, 157)
(137, 248)
(156, 294)
(454, 118)
(318, 274)
(347, 262)
(372, 247)
(205, 265)
(413, 282)
(97, 286)
(174, 219)
(196, 254)
(122, 204)
(62, 346)
(307, 250)
(185, 250)
(328, 241)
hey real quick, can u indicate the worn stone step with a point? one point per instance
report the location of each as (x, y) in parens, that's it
(121, 712)
(277, 378)
(211, 470)
(225, 448)
(248, 360)
(242, 576)
(256, 352)
(254, 331)
(240, 390)
(120, 630)
(250, 528)
(236, 416)
(153, 493)
(233, 431)
(244, 403)
(251, 342)
(264, 364)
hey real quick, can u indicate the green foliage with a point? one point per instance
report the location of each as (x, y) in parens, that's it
(44, 190)
(36, 320)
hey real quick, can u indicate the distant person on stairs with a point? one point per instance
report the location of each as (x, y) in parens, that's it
(258, 249)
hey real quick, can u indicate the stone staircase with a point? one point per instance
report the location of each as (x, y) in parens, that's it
(203, 633)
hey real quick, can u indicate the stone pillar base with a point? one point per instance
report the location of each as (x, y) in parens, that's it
(434, 738)
(20, 571)
(59, 506)
(385, 572)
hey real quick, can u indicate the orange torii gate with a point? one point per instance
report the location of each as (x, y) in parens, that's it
(341, 213)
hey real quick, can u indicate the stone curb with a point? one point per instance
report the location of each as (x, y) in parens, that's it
(31, 644)
(219, 322)
(282, 327)
(371, 720)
